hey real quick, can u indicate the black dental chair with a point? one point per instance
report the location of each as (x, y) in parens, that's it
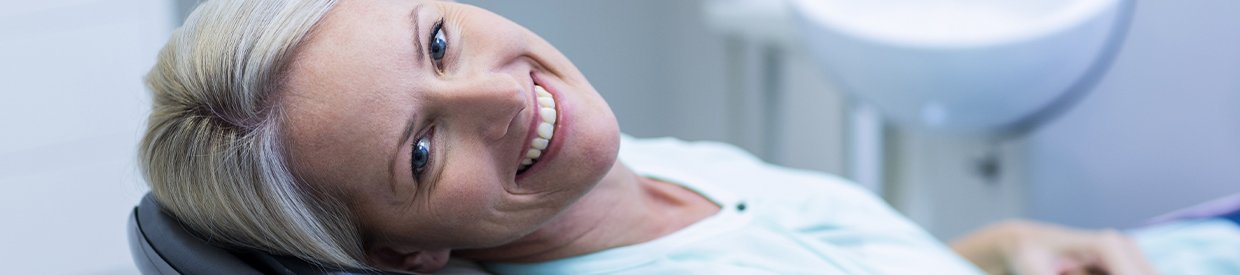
(161, 245)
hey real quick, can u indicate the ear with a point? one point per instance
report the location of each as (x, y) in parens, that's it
(410, 260)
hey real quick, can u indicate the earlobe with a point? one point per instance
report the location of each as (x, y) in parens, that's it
(419, 261)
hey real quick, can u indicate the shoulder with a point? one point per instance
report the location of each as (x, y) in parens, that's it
(729, 167)
(668, 150)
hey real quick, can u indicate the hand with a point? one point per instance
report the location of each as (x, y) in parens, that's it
(1030, 248)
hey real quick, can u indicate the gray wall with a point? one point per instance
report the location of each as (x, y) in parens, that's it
(643, 56)
(1160, 132)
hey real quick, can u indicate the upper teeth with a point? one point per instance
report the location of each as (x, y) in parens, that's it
(546, 127)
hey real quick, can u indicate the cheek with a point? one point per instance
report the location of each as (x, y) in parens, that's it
(472, 211)
(466, 198)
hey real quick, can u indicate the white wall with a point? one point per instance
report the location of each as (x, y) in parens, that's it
(1161, 131)
(72, 108)
(936, 180)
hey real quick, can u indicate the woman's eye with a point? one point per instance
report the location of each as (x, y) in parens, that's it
(421, 156)
(439, 43)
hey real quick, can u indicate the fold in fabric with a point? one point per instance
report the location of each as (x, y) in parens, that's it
(1226, 208)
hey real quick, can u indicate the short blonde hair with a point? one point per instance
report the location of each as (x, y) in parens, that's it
(213, 153)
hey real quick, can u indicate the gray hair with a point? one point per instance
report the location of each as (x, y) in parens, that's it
(213, 153)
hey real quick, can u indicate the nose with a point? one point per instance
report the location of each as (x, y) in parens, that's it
(486, 104)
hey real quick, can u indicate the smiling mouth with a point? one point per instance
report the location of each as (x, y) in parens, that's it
(545, 130)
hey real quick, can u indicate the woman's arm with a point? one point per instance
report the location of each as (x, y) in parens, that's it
(1025, 247)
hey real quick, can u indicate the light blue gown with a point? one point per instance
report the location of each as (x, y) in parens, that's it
(776, 220)
(773, 220)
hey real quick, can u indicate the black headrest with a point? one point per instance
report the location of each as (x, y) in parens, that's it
(163, 245)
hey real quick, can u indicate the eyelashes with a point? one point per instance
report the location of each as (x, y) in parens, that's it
(420, 157)
(437, 48)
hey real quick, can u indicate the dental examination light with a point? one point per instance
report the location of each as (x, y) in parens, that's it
(989, 67)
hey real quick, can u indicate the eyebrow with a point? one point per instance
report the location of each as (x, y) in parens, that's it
(414, 15)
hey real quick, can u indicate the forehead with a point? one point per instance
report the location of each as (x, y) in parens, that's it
(357, 42)
(347, 92)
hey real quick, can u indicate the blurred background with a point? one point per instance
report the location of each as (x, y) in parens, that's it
(1152, 127)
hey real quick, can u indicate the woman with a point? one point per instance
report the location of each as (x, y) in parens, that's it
(395, 134)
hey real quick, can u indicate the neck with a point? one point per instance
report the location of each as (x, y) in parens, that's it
(623, 209)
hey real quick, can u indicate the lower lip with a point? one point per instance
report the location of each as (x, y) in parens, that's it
(558, 135)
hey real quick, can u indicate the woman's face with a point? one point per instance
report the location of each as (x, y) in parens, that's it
(420, 114)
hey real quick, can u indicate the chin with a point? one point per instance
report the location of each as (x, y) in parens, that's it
(595, 153)
(600, 142)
